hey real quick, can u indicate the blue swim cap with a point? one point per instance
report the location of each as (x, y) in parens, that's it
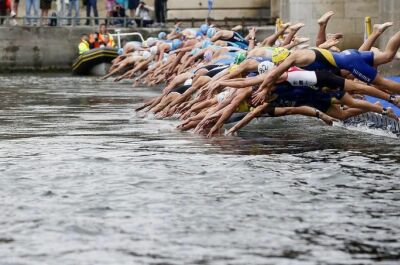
(211, 32)
(204, 28)
(205, 44)
(195, 51)
(120, 51)
(162, 35)
(176, 44)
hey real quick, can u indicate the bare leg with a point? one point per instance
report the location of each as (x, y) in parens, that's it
(323, 22)
(387, 84)
(336, 112)
(270, 40)
(390, 51)
(292, 31)
(377, 31)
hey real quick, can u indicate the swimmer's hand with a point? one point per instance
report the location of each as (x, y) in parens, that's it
(259, 97)
(327, 119)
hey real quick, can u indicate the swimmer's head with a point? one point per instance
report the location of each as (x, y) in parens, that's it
(204, 28)
(154, 50)
(211, 32)
(146, 55)
(151, 41)
(176, 44)
(195, 51)
(233, 68)
(162, 35)
(208, 55)
(279, 54)
(240, 57)
(265, 66)
(205, 44)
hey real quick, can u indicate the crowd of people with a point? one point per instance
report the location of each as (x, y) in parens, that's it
(212, 76)
(116, 12)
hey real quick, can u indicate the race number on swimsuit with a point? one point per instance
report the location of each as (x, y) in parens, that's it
(299, 77)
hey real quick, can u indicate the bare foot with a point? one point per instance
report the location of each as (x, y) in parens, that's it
(335, 49)
(325, 17)
(303, 46)
(296, 27)
(237, 28)
(380, 28)
(390, 113)
(337, 36)
(286, 25)
(300, 40)
(329, 43)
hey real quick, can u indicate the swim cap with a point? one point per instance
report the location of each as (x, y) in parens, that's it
(176, 44)
(146, 55)
(188, 82)
(233, 68)
(195, 51)
(204, 28)
(151, 41)
(208, 55)
(162, 35)
(189, 34)
(205, 44)
(279, 54)
(240, 57)
(120, 51)
(154, 50)
(265, 66)
(211, 32)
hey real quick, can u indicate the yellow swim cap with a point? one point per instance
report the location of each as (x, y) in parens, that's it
(279, 54)
(233, 68)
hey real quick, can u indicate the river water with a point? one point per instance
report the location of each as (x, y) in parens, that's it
(85, 180)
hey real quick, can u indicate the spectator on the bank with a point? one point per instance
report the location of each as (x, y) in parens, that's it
(74, 5)
(92, 4)
(5, 7)
(14, 12)
(118, 14)
(110, 4)
(29, 5)
(143, 12)
(84, 44)
(160, 7)
(45, 6)
(132, 5)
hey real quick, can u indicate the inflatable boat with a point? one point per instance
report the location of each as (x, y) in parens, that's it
(94, 62)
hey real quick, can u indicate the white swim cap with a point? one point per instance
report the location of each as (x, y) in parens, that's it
(154, 50)
(265, 66)
(188, 82)
(151, 41)
(146, 55)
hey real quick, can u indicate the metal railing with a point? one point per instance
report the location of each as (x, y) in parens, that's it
(68, 21)
(118, 34)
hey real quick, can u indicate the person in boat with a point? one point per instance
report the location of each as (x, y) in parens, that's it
(84, 44)
(103, 32)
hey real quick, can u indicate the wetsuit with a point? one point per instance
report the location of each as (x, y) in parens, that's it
(359, 63)
(289, 96)
(318, 80)
(238, 41)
